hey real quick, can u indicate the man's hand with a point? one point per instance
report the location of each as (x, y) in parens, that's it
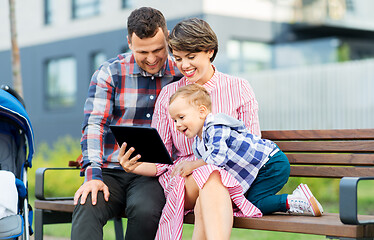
(93, 187)
(127, 164)
(185, 168)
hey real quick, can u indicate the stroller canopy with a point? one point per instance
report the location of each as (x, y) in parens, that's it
(13, 110)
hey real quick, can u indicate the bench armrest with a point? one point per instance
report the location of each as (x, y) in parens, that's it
(39, 183)
(348, 200)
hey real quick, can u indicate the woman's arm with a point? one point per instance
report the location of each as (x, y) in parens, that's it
(248, 110)
(132, 165)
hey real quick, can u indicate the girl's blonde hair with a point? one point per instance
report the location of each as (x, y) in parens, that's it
(196, 95)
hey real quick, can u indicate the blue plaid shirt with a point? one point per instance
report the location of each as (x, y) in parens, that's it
(120, 93)
(228, 144)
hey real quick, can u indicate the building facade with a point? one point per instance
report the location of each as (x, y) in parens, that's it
(63, 42)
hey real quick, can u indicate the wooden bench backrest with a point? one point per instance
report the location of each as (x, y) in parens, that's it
(327, 153)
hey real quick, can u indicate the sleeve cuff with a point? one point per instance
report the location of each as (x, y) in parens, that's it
(93, 173)
(160, 169)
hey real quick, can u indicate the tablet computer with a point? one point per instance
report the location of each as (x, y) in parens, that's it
(146, 141)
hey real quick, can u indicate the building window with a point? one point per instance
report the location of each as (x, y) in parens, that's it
(247, 56)
(97, 59)
(61, 83)
(85, 8)
(127, 3)
(49, 11)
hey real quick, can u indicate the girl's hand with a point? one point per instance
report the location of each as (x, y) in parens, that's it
(127, 164)
(185, 168)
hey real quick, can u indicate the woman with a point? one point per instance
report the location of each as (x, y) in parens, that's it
(194, 46)
(191, 184)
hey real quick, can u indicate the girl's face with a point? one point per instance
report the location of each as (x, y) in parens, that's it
(195, 66)
(189, 119)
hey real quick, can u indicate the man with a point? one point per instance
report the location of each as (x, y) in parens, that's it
(122, 91)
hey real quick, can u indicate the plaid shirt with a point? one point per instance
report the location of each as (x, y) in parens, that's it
(120, 93)
(228, 144)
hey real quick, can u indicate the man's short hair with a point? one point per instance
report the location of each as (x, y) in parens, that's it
(144, 22)
(195, 94)
(193, 35)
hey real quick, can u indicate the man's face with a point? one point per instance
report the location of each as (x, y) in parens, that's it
(150, 53)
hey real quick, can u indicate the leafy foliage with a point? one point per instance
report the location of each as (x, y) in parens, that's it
(58, 183)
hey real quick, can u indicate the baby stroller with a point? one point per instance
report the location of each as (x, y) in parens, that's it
(16, 152)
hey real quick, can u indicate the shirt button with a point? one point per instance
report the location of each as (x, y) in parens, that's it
(151, 97)
(152, 77)
(148, 115)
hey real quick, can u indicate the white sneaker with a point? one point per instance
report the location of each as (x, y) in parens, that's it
(302, 202)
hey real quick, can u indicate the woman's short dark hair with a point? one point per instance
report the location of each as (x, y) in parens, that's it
(193, 35)
(144, 22)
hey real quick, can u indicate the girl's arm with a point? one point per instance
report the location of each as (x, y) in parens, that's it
(216, 146)
(185, 168)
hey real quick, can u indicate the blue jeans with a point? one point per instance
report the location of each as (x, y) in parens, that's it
(270, 180)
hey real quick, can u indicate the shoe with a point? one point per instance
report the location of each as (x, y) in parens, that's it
(302, 202)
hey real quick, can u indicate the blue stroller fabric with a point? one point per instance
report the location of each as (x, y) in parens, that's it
(16, 152)
(11, 108)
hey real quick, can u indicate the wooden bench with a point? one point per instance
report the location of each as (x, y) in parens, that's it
(344, 154)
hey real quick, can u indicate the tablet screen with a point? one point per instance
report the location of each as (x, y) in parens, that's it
(146, 141)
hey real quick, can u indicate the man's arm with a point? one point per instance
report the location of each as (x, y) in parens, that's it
(97, 111)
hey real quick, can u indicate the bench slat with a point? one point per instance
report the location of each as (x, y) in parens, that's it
(331, 172)
(328, 146)
(329, 225)
(331, 159)
(339, 134)
(58, 205)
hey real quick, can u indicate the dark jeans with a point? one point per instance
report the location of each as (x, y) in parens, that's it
(270, 180)
(142, 198)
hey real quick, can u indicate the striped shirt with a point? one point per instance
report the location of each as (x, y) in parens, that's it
(120, 93)
(230, 95)
(228, 144)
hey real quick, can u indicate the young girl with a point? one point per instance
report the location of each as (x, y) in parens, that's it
(224, 141)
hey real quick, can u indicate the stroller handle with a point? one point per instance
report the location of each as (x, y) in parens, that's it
(14, 93)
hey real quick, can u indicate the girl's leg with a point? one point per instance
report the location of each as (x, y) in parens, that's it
(269, 181)
(216, 208)
(199, 229)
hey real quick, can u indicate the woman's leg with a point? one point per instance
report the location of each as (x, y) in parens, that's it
(199, 229)
(215, 206)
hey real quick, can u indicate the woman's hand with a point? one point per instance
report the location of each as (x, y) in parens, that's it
(127, 164)
(185, 168)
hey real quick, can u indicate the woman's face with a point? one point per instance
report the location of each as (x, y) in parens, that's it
(195, 66)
